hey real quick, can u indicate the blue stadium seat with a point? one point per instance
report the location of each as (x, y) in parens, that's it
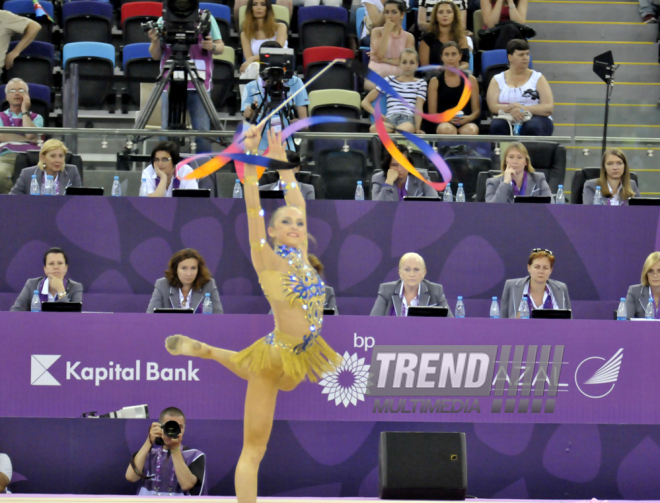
(26, 8)
(138, 63)
(222, 15)
(34, 65)
(320, 25)
(39, 96)
(94, 59)
(87, 21)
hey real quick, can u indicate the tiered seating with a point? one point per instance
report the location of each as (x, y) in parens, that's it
(133, 15)
(94, 59)
(222, 16)
(87, 21)
(315, 59)
(26, 8)
(39, 96)
(322, 26)
(34, 65)
(138, 63)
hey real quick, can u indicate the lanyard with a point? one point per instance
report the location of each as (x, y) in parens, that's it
(548, 300)
(159, 466)
(523, 187)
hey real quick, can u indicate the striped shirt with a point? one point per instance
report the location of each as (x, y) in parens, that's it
(410, 91)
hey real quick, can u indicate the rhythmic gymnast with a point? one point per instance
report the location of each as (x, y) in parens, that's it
(294, 350)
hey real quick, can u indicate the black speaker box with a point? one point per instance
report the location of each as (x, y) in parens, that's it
(422, 466)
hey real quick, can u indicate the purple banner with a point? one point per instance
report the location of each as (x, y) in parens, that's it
(401, 369)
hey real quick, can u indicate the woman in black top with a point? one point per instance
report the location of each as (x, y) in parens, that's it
(445, 27)
(445, 91)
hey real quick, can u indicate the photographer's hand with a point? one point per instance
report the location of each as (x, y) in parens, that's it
(249, 111)
(155, 431)
(207, 43)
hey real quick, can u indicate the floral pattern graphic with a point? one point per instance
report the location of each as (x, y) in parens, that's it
(348, 383)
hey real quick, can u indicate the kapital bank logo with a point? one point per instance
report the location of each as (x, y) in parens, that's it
(595, 379)
(135, 371)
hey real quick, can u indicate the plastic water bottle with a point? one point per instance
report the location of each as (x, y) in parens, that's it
(359, 191)
(494, 308)
(448, 195)
(116, 188)
(238, 190)
(49, 186)
(621, 313)
(207, 307)
(649, 312)
(516, 128)
(143, 188)
(524, 308)
(460, 308)
(598, 197)
(460, 194)
(35, 306)
(560, 198)
(34, 187)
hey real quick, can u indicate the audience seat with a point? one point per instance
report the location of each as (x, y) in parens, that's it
(40, 98)
(315, 59)
(138, 63)
(26, 8)
(581, 176)
(225, 182)
(87, 21)
(320, 25)
(222, 15)
(223, 77)
(281, 15)
(133, 15)
(302, 176)
(335, 102)
(29, 159)
(340, 171)
(93, 59)
(550, 159)
(209, 181)
(34, 65)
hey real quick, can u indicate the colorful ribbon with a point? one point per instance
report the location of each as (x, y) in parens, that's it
(40, 12)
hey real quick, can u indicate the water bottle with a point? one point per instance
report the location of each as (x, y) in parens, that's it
(238, 190)
(598, 197)
(649, 312)
(36, 302)
(448, 195)
(460, 308)
(34, 187)
(524, 308)
(116, 188)
(49, 186)
(494, 309)
(516, 128)
(207, 307)
(359, 191)
(143, 188)
(460, 194)
(560, 198)
(621, 313)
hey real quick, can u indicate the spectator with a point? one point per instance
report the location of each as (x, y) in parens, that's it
(614, 181)
(11, 24)
(388, 42)
(425, 14)
(5, 473)
(18, 114)
(187, 281)
(649, 10)
(307, 189)
(518, 177)
(639, 296)
(373, 18)
(254, 95)
(394, 182)
(501, 19)
(284, 3)
(202, 54)
(398, 116)
(395, 297)
(542, 292)
(522, 95)
(445, 91)
(185, 475)
(259, 26)
(52, 158)
(160, 174)
(53, 286)
(445, 26)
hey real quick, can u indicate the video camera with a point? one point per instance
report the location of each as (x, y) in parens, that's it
(182, 22)
(276, 66)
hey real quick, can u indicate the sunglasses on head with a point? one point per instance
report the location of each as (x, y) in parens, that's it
(536, 250)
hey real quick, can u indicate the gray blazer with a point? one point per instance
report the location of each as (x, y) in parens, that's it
(513, 292)
(330, 300)
(69, 176)
(380, 191)
(167, 296)
(74, 291)
(498, 192)
(589, 191)
(636, 301)
(307, 189)
(431, 294)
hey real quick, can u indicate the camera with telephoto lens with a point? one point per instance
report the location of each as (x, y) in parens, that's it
(183, 23)
(276, 67)
(170, 429)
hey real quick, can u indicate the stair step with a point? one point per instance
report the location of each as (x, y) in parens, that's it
(625, 73)
(594, 93)
(584, 11)
(552, 51)
(561, 129)
(595, 32)
(569, 114)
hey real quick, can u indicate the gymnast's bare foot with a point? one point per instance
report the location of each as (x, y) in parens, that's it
(182, 345)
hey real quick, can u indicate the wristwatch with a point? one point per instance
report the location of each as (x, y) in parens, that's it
(213, 49)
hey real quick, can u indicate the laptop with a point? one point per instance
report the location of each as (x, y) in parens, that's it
(420, 198)
(644, 201)
(191, 192)
(551, 314)
(84, 191)
(61, 307)
(271, 194)
(532, 199)
(432, 311)
(173, 310)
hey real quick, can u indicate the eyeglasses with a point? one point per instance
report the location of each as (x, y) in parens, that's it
(163, 159)
(536, 250)
(653, 272)
(16, 91)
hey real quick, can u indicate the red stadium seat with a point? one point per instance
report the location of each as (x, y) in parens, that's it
(325, 53)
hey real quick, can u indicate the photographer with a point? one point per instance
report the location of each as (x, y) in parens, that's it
(253, 97)
(184, 475)
(202, 54)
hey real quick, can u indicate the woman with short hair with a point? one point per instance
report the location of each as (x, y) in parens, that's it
(161, 175)
(616, 187)
(648, 291)
(518, 177)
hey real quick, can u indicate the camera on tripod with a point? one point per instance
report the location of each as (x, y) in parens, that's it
(276, 67)
(182, 22)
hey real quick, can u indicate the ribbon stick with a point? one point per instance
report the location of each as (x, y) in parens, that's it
(40, 12)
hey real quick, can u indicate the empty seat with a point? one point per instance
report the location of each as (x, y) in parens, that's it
(337, 103)
(315, 59)
(26, 8)
(39, 97)
(133, 15)
(138, 64)
(94, 59)
(222, 16)
(87, 21)
(322, 26)
(340, 171)
(34, 65)
(223, 77)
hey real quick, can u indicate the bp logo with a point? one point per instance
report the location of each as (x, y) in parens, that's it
(348, 383)
(596, 379)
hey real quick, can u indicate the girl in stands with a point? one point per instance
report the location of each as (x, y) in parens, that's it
(615, 184)
(259, 25)
(445, 27)
(497, 15)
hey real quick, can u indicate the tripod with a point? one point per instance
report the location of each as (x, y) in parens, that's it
(176, 72)
(270, 106)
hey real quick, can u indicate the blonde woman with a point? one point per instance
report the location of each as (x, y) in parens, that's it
(51, 162)
(615, 184)
(518, 177)
(639, 296)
